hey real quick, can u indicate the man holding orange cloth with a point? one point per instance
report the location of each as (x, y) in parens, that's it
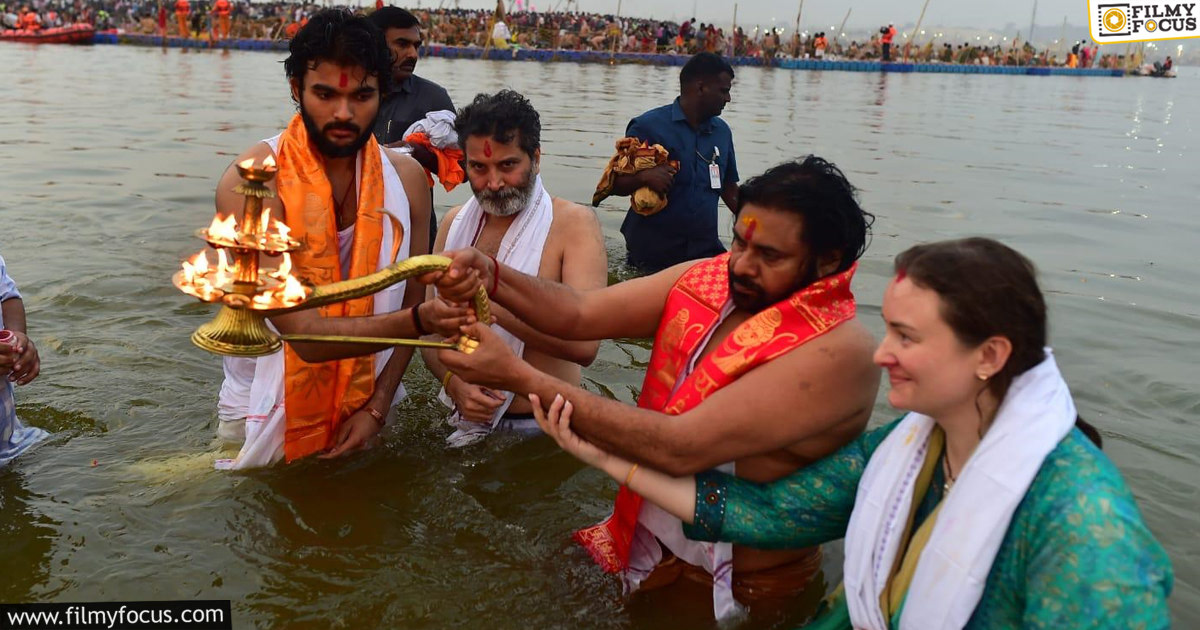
(356, 208)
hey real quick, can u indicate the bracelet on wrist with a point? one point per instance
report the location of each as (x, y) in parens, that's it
(629, 477)
(416, 317)
(380, 419)
(446, 379)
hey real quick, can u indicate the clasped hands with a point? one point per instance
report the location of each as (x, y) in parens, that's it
(19, 362)
(492, 365)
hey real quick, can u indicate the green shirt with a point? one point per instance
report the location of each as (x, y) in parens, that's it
(1076, 553)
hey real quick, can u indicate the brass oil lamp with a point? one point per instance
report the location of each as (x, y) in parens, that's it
(249, 294)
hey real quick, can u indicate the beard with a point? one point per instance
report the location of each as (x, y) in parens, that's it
(508, 200)
(754, 298)
(329, 148)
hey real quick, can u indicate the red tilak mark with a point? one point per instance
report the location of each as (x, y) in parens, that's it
(487, 149)
(345, 79)
(751, 224)
(900, 275)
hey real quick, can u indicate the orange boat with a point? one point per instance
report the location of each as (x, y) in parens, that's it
(73, 34)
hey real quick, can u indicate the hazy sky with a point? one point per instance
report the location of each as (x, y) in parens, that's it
(991, 14)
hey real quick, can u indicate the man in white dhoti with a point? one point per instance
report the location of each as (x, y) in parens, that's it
(356, 208)
(515, 220)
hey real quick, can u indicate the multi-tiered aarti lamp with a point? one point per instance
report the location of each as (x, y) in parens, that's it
(250, 294)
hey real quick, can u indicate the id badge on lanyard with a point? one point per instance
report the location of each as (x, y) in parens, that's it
(714, 171)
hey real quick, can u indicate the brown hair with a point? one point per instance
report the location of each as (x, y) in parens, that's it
(987, 289)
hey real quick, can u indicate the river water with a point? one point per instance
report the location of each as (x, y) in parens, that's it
(108, 163)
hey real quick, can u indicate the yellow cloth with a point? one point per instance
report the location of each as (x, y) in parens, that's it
(893, 596)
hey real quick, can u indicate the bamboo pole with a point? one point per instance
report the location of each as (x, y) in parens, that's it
(842, 28)
(732, 49)
(612, 53)
(799, 12)
(916, 29)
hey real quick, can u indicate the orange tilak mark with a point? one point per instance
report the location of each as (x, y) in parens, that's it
(487, 149)
(751, 224)
(343, 81)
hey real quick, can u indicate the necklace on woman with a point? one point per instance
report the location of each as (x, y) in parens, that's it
(949, 482)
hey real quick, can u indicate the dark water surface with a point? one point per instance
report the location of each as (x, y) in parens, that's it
(108, 161)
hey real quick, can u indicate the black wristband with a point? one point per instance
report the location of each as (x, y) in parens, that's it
(416, 317)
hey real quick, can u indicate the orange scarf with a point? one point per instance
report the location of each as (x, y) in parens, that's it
(693, 309)
(319, 396)
(449, 169)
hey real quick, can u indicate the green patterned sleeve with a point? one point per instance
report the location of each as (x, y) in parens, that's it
(1091, 558)
(808, 507)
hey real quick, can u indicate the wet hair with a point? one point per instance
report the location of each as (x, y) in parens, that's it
(702, 66)
(501, 116)
(338, 36)
(815, 189)
(986, 289)
(393, 17)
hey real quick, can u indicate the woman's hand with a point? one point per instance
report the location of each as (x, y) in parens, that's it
(557, 424)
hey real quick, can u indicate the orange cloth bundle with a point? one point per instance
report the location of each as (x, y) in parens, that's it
(632, 156)
(450, 171)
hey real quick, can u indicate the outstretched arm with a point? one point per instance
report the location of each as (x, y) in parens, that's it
(626, 309)
(808, 398)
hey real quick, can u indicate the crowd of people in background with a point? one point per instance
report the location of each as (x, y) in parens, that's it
(547, 30)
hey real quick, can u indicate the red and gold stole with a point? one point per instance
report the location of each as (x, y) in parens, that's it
(319, 396)
(693, 309)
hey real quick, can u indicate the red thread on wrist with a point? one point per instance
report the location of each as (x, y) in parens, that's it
(495, 275)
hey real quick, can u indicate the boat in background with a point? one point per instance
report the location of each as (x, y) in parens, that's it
(73, 34)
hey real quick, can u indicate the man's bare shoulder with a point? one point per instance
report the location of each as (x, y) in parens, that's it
(574, 213)
(406, 167)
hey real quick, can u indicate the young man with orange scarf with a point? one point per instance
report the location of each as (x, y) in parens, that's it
(759, 368)
(356, 208)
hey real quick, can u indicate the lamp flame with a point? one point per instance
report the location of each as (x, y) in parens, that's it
(269, 163)
(226, 229)
(281, 228)
(247, 163)
(200, 263)
(285, 268)
(292, 291)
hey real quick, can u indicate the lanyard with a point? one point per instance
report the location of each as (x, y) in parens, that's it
(713, 159)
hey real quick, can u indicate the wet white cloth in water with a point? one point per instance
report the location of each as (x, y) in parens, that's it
(521, 249)
(952, 570)
(253, 388)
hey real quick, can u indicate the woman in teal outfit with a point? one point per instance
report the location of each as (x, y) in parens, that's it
(984, 507)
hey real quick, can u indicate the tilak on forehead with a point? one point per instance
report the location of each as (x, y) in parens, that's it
(901, 274)
(751, 224)
(343, 80)
(487, 148)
